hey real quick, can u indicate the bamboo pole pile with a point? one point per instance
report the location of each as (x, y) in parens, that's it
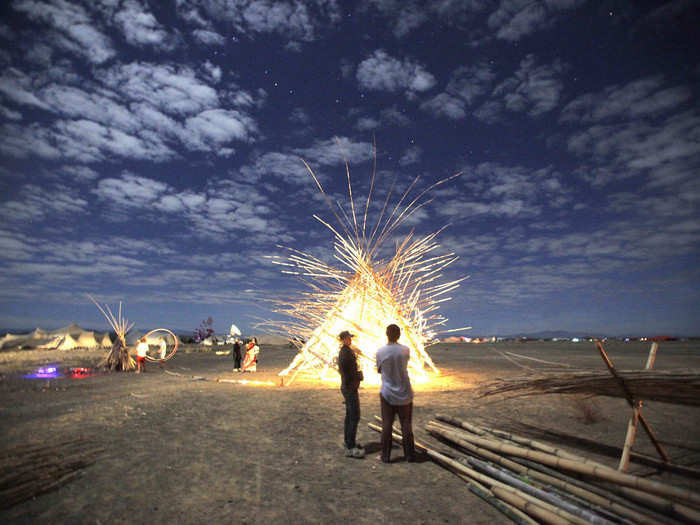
(535, 481)
(680, 387)
(29, 470)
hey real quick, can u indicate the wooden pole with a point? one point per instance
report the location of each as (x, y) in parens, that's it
(477, 488)
(558, 516)
(597, 471)
(634, 418)
(579, 491)
(632, 403)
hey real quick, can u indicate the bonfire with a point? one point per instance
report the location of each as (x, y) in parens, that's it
(368, 290)
(118, 357)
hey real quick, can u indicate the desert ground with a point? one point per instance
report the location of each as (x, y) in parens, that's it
(184, 449)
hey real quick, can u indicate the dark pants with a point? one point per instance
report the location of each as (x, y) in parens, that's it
(237, 361)
(405, 413)
(352, 416)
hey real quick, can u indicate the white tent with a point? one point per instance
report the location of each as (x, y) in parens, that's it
(72, 329)
(105, 341)
(12, 340)
(67, 343)
(52, 343)
(87, 340)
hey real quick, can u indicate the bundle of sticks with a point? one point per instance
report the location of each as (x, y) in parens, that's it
(32, 469)
(534, 482)
(669, 386)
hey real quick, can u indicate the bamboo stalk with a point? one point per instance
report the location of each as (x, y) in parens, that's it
(578, 491)
(612, 492)
(631, 401)
(602, 448)
(537, 445)
(501, 505)
(589, 469)
(558, 502)
(557, 515)
(534, 510)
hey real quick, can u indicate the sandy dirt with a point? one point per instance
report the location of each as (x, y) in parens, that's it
(184, 450)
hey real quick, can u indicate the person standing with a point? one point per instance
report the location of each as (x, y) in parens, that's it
(396, 393)
(350, 378)
(236, 356)
(250, 363)
(141, 350)
(162, 351)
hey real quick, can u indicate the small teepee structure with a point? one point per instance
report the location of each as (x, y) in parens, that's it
(118, 357)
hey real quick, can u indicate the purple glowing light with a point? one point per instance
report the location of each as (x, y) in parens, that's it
(45, 372)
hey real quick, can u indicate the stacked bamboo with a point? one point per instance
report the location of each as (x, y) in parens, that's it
(533, 481)
(29, 470)
(669, 386)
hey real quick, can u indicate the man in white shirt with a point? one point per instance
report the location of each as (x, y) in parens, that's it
(396, 394)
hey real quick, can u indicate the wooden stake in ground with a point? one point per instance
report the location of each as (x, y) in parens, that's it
(634, 418)
(632, 403)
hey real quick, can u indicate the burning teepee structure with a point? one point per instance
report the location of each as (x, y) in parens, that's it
(118, 357)
(368, 291)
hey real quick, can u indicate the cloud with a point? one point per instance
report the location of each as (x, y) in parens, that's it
(534, 89)
(639, 145)
(505, 191)
(381, 72)
(17, 87)
(411, 156)
(445, 105)
(296, 20)
(141, 28)
(174, 90)
(75, 31)
(209, 38)
(366, 123)
(37, 203)
(514, 19)
(79, 173)
(643, 97)
(466, 84)
(407, 15)
(334, 152)
(213, 128)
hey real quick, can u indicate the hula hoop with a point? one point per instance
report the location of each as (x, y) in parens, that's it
(172, 352)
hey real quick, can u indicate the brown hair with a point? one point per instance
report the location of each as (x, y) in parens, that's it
(393, 332)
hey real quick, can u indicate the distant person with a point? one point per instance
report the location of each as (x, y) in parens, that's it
(396, 394)
(250, 363)
(162, 351)
(350, 378)
(237, 356)
(141, 350)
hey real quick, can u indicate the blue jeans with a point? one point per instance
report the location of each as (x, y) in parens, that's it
(352, 416)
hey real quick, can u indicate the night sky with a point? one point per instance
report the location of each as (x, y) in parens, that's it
(151, 152)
